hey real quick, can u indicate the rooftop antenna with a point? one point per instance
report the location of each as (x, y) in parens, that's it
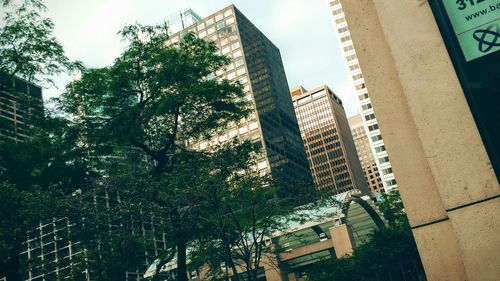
(182, 19)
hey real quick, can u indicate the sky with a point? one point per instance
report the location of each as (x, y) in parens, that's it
(301, 29)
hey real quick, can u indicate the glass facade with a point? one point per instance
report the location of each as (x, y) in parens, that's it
(327, 137)
(370, 169)
(52, 251)
(257, 65)
(20, 103)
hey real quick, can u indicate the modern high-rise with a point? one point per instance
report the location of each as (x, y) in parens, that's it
(256, 64)
(328, 141)
(365, 104)
(370, 169)
(179, 21)
(20, 103)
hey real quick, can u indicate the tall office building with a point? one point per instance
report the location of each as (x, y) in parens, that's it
(181, 20)
(365, 105)
(360, 136)
(257, 65)
(328, 141)
(20, 103)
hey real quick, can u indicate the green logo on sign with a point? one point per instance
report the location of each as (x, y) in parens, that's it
(476, 24)
(487, 38)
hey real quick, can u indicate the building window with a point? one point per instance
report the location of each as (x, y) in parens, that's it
(377, 138)
(390, 182)
(387, 171)
(343, 29)
(238, 62)
(235, 45)
(357, 76)
(383, 159)
(348, 48)
(237, 54)
(360, 86)
(380, 148)
(363, 96)
(339, 21)
(226, 50)
(370, 117)
(345, 38)
(373, 128)
(366, 106)
(220, 25)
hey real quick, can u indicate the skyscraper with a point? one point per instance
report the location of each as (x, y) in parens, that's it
(257, 65)
(181, 20)
(360, 136)
(365, 105)
(328, 141)
(20, 103)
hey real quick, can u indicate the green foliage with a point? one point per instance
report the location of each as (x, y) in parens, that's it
(153, 92)
(241, 211)
(35, 175)
(28, 48)
(391, 250)
(156, 100)
(392, 207)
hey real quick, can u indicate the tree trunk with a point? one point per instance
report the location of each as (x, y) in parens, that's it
(249, 273)
(181, 261)
(230, 261)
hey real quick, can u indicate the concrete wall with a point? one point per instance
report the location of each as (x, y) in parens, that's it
(449, 189)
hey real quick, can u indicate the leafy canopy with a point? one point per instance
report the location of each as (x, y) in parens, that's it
(28, 48)
(156, 97)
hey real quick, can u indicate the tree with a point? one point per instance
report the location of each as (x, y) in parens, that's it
(389, 249)
(159, 100)
(241, 214)
(28, 48)
(38, 170)
(35, 175)
(392, 207)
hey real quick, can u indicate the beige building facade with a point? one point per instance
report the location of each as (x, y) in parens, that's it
(328, 141)
(368, 163)
(445, 175)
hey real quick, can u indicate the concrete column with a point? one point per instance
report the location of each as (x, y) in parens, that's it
(450, 192)
(292, 276)
(342, 240)
(271, 267)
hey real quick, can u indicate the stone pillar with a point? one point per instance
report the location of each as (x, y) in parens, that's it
(292, 276)
(271, 267)
(342, 240)
(448, 187)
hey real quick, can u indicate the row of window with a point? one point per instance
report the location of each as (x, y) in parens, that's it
(383, 160)
(337, 11)
(343, 29)
(369, 117)
(373, 127)
(345, 38)
(377, 138)
(354, 67)
(366, 106)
